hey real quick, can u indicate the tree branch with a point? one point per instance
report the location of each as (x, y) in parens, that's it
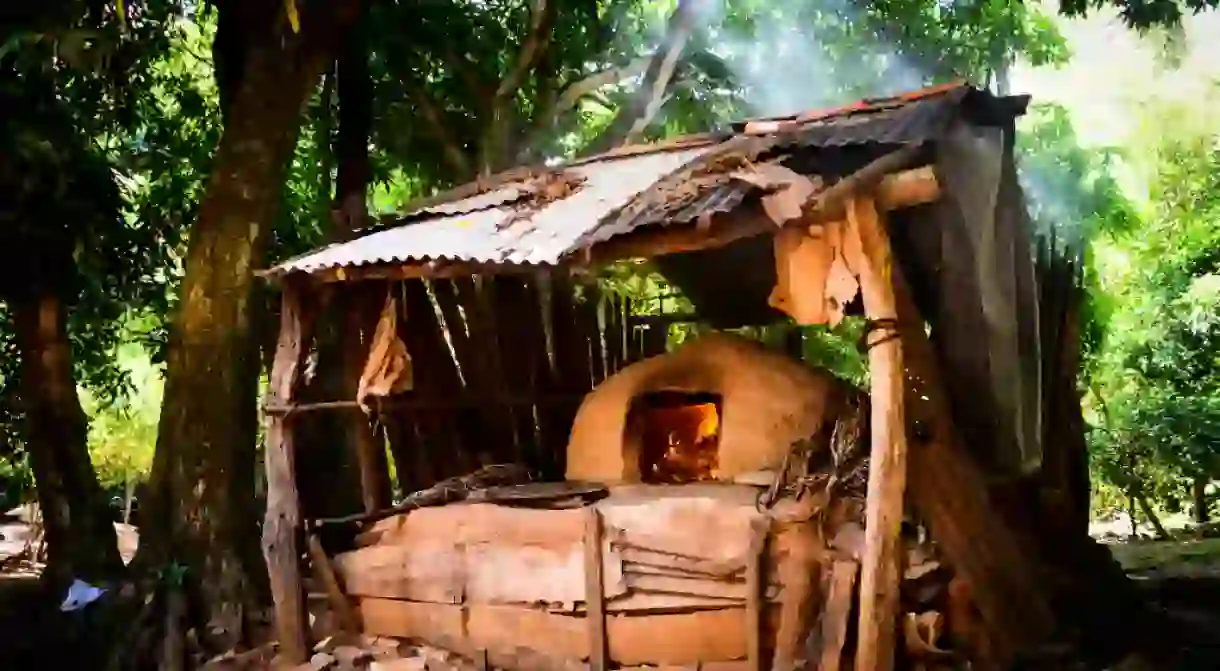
(648, 99)
(595, 82)
(533, 48)
(554, 115)
(454, 156)
(542, 18)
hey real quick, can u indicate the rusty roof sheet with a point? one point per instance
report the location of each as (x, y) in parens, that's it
(676, 181)
(492, 229)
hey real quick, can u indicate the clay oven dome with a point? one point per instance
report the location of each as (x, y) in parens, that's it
(764, 402)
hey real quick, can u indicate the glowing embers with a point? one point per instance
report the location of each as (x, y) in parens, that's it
(678, 434)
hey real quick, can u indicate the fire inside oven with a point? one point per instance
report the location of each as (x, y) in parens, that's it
(679, 436)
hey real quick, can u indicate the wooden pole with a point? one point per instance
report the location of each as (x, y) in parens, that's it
(282, 524)
(595, 595)
(837, 612)
(877, 637)
(755, 587)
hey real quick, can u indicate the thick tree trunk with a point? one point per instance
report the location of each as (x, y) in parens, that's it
(202, 507)
(1198, 496)
(80, 536)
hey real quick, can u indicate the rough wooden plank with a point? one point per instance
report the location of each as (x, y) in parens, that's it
(450, 553)
(443, 625)
(487, 422)
(645, 557)
(879, 580)
(282, 524)
(360, 323)
(325, 574)
(436, 374)
(707, 523)
(595, 616)
(798, 547)
(755, 579)
(686, 586)
(662, 639)
(835, 613)
(571, 343)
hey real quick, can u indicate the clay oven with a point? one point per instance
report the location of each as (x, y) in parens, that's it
(719, 408)
(522, 366)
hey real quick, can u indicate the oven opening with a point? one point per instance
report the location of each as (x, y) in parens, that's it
(679, 436)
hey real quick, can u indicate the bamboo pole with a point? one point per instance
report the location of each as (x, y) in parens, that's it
(879, 576)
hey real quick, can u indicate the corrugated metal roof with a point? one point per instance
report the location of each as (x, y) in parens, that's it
(672, 182)
(506, 194)
(499, 234)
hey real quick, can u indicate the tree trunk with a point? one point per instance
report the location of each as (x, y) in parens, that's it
(202, 507)
(1131, 512)
(349, 215)
(1142, 501)
(1198, 491)
(80, 537)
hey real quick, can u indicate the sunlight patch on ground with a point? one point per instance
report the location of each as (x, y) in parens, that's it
(1176, 556)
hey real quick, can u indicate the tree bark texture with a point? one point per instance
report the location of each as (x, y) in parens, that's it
(349, 469)
(1198, 491)
(80, 536)
(202, 505)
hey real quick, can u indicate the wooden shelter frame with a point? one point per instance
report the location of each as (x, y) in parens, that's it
(915, 451)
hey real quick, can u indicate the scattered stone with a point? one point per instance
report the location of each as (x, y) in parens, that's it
(400, 664)
(350, 655)
(320, 661)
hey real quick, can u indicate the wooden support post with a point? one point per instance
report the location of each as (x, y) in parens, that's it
(374, 473)
(755, 587)
(360, 322)
(836, 612)
(879, 577)
(798, 547)
(282, 524)
(595, 595)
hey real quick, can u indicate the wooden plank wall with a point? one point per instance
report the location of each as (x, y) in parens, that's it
(501, 365)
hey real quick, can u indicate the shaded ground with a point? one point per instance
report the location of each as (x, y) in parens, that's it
(1184, 559)
(34, 634)
(1183, 577)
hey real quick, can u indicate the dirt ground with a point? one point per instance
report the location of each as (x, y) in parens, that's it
(1183, 577)
(34, 634)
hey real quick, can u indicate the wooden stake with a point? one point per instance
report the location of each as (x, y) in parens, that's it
(836, 613)
(797, 545)
(282, 524)
(754, 593)
(325, 574)
(595, 601)
(888, 455)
